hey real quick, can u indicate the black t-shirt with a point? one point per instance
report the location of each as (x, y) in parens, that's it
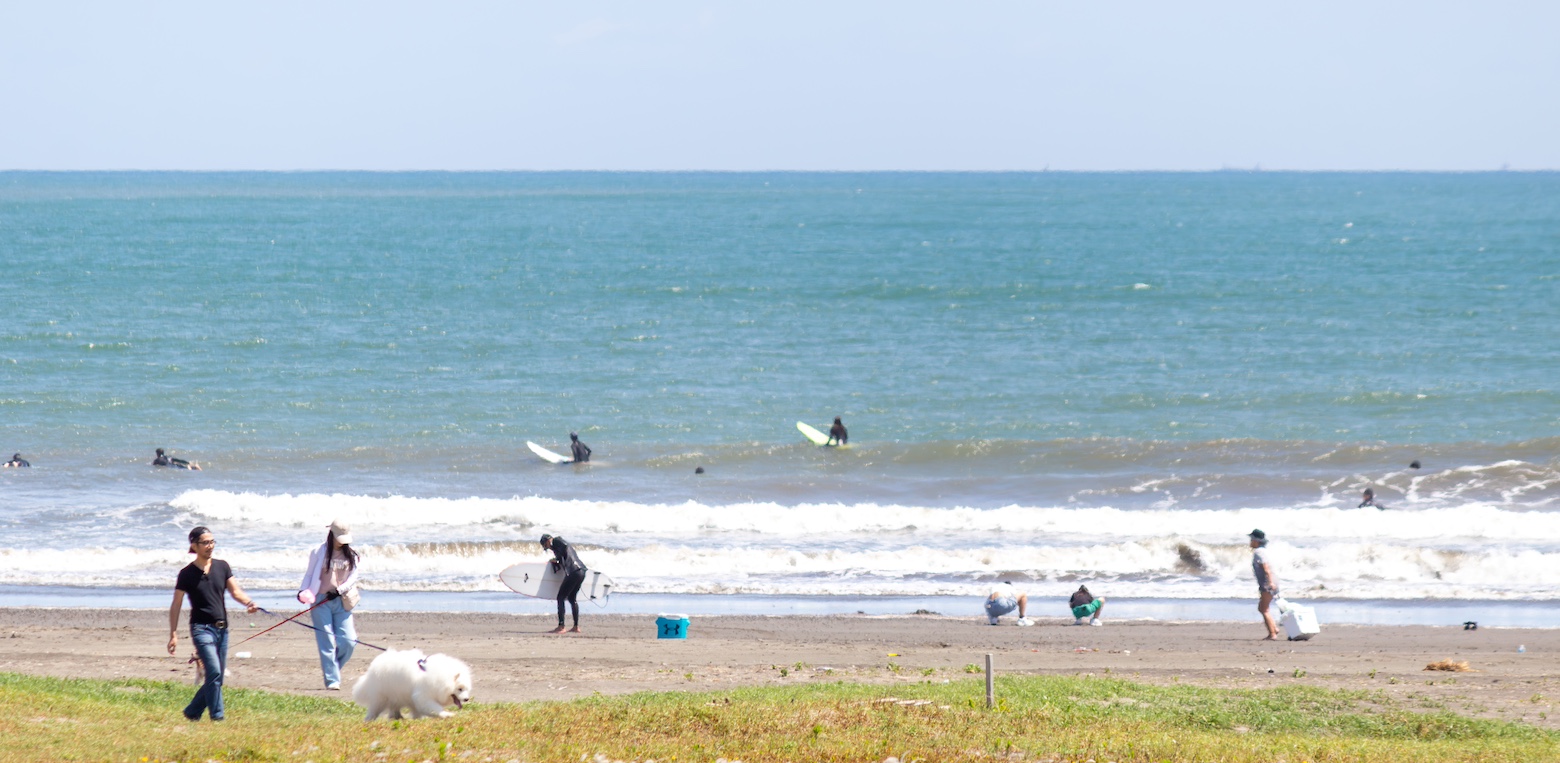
(1079, 599)
(207, 591)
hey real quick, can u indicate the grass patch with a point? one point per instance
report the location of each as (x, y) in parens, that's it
(1038, 718)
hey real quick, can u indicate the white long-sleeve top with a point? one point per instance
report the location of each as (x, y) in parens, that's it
(314, 578)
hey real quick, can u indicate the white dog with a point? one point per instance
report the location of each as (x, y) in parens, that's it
(407, 680)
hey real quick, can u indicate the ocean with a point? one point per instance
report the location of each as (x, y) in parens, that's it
(1052, 379)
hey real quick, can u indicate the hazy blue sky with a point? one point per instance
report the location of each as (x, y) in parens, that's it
(792, 85)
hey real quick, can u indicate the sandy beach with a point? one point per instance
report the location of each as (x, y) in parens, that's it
(515, 659)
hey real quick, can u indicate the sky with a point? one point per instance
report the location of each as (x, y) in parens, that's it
(867, 85)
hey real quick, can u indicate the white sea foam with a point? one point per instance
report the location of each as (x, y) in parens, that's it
(1165, 568)
(1472, 522)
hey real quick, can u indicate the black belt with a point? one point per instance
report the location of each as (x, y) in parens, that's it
(218, 624)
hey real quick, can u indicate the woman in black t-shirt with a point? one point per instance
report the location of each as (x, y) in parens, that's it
(207, 581)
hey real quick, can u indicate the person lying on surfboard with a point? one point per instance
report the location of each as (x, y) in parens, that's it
(837, 434)
(580, 450)
(164, 459)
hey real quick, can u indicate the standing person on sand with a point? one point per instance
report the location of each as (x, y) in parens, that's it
(837, 434)
(207, 581)
(567, 562)
(579, 450)
(331, 579)
(1267, 581)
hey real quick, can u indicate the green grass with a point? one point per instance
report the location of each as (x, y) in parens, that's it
(1044, 718)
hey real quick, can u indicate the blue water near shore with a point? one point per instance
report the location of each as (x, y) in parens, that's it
(1048, 378)
(1508, 614)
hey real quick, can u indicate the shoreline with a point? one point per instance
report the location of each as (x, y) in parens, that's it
(515, 659)
(1536, 614)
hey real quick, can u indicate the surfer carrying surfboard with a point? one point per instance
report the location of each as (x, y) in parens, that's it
(568, 563)
(580, 450)
(837, 434)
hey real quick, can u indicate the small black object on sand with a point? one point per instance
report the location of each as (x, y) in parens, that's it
(1470, 626)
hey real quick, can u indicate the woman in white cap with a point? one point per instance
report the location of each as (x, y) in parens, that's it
(330, 586)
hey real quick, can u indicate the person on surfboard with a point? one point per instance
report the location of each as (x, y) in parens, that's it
(17, 462)
(1368, 498)
(568, 563)
(164, 459)
(580, 450)
(837, 433)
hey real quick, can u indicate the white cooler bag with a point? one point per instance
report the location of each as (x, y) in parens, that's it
(1299, 622)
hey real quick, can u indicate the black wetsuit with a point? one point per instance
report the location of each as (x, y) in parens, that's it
(177, 463)
(581, 452)
(17, 462)
(573, 570)
(837, 433)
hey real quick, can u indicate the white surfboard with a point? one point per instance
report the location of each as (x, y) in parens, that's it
(815, 436)
(540, 580)
(547, 455)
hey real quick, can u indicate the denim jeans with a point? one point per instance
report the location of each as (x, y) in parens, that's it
(336, 638)
(211, 644)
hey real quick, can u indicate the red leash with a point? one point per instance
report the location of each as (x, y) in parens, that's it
(284, 622)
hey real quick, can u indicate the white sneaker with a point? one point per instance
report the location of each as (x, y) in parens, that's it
(1077, 621)
(1024, 622)
(1096, 622)
(992, 619)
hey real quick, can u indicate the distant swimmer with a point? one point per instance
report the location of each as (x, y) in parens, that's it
(837, 434)
(580, 450)
(17, 461)
(1368, 498)
(163, 459)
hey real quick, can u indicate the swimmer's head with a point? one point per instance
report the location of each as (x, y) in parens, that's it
(546, 540)
(573, 436)
(159, 451)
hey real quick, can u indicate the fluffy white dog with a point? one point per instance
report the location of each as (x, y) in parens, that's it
(408, 680)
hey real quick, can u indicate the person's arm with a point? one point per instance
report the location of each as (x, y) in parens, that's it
(311, 578)
(173, 621)
(241, 597)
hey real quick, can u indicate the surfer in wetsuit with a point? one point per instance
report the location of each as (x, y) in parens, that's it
(164, 459)
(567, 562)
(16, 461)
(837, 434)
(580, 450)
(1370, 500)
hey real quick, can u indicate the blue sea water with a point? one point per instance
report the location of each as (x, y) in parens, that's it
(1048, 377)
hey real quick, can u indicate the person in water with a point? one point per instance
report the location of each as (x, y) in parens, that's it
(1084, 604)
(1368, 498)
(837, 434)
(17, 462)
(208, 582)
(163, 459)
(580, 450)
(567, 562)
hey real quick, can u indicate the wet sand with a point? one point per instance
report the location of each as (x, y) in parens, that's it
(516, 659)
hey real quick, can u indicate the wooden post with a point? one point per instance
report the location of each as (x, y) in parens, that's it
(991, 694)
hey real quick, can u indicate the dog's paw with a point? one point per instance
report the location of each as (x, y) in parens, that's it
(446, 714)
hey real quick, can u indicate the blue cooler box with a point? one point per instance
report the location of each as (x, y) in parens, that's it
(671, 626)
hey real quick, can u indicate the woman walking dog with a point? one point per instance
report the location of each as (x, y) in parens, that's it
(207, 581)
(331, 580)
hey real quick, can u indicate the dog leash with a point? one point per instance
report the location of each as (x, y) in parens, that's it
(310, 627)
(280, 624)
